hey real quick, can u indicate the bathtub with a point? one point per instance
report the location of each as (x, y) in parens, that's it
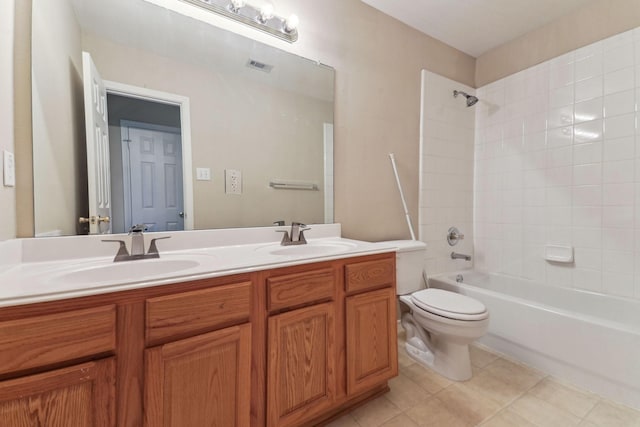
(588, 339)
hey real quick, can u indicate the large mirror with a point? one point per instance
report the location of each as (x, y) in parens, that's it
(202, 128)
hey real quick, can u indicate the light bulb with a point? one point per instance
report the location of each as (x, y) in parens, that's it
(291, 24)
(266, 13)
(236, 5)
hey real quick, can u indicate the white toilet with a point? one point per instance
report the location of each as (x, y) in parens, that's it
(439, 324)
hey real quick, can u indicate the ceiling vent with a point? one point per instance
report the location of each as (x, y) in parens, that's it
(252, 63)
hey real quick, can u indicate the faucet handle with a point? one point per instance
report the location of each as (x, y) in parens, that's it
(122, 250)
(279, 223)
(153, 249)
(138, 228)
(285, 238)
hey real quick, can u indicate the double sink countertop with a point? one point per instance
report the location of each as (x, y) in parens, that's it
(47, 269)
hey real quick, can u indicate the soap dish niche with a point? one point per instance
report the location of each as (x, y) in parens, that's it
(559, 254)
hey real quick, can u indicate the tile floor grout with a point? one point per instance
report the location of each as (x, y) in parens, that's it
(513, 403)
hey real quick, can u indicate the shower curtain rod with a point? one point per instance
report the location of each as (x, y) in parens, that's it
(404, 203)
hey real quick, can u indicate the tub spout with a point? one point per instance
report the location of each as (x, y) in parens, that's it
(460, 256)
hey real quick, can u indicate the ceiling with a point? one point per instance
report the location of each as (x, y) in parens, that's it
(476, 26)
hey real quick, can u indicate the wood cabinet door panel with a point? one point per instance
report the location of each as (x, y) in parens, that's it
(79, 396)
(200, 381)
(45, 340)
(372, 351)
(367, 275)
(301, 380)
(302, 288)
(179, 315)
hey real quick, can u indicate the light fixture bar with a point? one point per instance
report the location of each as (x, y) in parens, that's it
(261, 19)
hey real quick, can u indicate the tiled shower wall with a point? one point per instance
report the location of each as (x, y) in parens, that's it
(557, 162)
(446, 187)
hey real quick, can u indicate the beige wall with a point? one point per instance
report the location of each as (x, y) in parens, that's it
(598, 20)
(378, 62)
(57, 87)
(7, 194)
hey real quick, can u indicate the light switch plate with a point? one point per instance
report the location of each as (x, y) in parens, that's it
(203, 174)
(9, 169)
(232, 181)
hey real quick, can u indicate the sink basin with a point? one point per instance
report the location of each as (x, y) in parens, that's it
(130, 271)
(310, 249)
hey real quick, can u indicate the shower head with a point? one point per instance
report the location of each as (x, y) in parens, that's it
(471, 100)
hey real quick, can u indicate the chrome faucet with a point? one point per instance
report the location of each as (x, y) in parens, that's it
(455, 255)
(297, 234)
(137, 245)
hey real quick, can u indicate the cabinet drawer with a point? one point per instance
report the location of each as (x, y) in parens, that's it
(188, 313)
(370, 274)
(44, 340)
(297, 289)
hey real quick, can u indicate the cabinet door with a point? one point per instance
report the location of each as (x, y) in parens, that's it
(200, 381)
(301, 380)
(79, 396)
(372, 350)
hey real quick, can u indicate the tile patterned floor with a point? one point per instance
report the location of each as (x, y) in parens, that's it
(500, 394)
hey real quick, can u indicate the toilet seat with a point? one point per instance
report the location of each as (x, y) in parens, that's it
(449, 304)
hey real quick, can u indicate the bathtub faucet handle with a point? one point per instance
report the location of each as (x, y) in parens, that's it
(453, 236)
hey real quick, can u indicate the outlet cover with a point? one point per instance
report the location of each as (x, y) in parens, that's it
(203, 174)
(9, 168)
(232, 181)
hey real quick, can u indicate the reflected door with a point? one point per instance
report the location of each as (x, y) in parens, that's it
(97, 128)
(153, 177)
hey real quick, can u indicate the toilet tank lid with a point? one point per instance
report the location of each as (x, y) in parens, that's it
(406, 245)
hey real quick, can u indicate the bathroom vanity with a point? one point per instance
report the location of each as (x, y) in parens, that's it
(284, 344)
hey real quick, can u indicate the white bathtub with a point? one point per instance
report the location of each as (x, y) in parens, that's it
(588, 339)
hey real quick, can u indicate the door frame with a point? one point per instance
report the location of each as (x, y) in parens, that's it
(183, 103)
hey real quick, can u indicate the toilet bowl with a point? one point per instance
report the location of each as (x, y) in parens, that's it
(439, 324)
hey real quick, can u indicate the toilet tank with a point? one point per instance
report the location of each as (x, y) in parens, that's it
(410, 259)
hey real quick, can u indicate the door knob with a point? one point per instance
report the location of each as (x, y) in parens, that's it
(94, 219)
(181, 214)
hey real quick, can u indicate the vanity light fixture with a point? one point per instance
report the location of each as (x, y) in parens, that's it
(262, 18)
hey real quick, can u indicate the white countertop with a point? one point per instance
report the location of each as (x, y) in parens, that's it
(39, 270)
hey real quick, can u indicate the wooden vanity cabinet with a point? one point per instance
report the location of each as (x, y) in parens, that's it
(293, 346)
(371, 327)
(301, 346)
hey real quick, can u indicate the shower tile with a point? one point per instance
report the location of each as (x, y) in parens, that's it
(560, 117)
(618, 171)
(562, 75)
(588, 89)
(560, 137)
(618, 57)
(608, 414)
(588, 132)
(561, 96)
(589, 174)
(617, 40)
(589, 66)
(589, 50)
(619, 80)
(588, 110)
(587, 153)
(618, 239)
(618, 216)
(587, 195)
(619, 148)
(584, 237)
(543, 413)
(565, 397)
(590, 259)
(620, 103)
(619, 194)
(587, 216)
(618, 284)
(588, 280)
(619, 126)
(618, 262)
